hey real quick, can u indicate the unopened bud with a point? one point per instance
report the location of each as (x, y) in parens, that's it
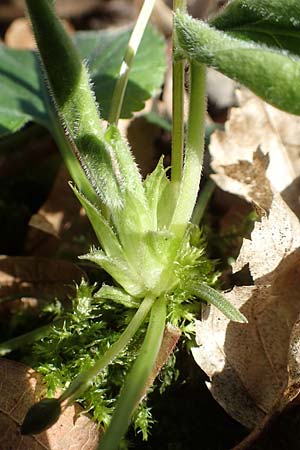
(41, 416)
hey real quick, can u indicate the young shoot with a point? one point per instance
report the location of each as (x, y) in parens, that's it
(147, 243)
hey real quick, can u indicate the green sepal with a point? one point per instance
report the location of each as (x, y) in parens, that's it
(104, 232)
(129, 171)
(134, 215)
(41, 416)
(155, 185)
(119, 269)
(132, 222)
(271, 72)
(117, 295)
(161, 245)
(210, 295)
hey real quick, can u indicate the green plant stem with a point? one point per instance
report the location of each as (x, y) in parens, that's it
(178, 109)
(27, 338)
(136, 381)
(70, 160)
(84, 379)
(77, 109)
(132, 47)
(202, 201)
(66, 74)
(178, 122)
(194, 147)
(177, 112)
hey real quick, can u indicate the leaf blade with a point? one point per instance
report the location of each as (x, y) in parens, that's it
(216, 298)
(21, 77)
(251, 63)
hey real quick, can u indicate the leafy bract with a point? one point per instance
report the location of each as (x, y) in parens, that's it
(254, 42)
(24, 98)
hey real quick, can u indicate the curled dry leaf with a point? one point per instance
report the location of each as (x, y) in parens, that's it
(254, 368)
(20, 388)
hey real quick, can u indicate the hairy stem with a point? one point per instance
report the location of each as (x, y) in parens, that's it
(194, 147)
(131, 50)
(84, 380)
(202, 201)
(137, 379)
(72, 164)
(178, 108)
(77, 109)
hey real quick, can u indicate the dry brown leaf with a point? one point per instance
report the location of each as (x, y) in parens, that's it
(254, 368)
(170, 338)
(218, 355)
(162, 17)
(66, 8)
(142, 136)
(40, 222)
(19, 34)
(37, 277)
(60, 223)
(257, 124)
(20, 388)
(292, 390)
(27, 283)
(69, 8)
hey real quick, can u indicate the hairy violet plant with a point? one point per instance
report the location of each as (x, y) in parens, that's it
(147, 242)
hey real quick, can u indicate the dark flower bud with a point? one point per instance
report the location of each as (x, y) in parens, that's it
(41, 416)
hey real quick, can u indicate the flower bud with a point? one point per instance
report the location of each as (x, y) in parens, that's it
(41, 416)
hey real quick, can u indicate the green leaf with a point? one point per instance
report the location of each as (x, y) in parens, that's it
(104, 55)
(155, 185)
(158, 120)
(132, 179)
(272, 72)
(210, 295)
(274, 23)
(119, 269)
(117, 295)
(24, 97)
(21, 93)
(104, 232)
